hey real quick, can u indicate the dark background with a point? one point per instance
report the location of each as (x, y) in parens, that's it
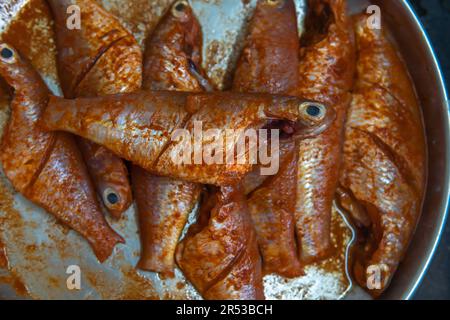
(435, 15)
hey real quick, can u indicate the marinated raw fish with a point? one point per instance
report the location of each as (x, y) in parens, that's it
(269, 63)
(47, 167)
(219, 256)
(171, 60)
(327, 66)
(99, 58)
(158, 130)
(384, 158)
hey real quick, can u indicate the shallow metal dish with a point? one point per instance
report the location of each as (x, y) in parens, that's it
(118, 272)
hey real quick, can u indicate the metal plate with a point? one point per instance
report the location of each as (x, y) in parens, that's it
(40, 250)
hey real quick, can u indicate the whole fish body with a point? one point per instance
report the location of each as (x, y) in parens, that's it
(219, 256)
(99, 58)
(140, 127)
(164, 204)
(269, 63)
(269, 59)
(384, 156)
(172, 57)
(326, 75)
(47, 168)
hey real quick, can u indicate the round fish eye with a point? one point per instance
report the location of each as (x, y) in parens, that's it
(179, 8)
(111, 198)
(7, 54)
(314, 110)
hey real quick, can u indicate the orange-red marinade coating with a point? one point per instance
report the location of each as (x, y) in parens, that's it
(135, 126)
(47, 168)
(139, 126)
(219, 256)
(269, 63)
(173, 53)
(100, 58)
(326, 74)
(272, 208)
(172, 60)
(384, 164)
(269, 60)
(163, 207)
(163, 204)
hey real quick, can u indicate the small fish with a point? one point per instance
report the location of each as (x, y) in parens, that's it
(172, 55)
(269, 60)
(46, 167)
(219, 255)
(138, 127)
(100, 58)
(384, 157)
(269, 63)
(327, 65)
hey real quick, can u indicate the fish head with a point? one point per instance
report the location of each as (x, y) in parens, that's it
(183, 20)
(10, 65)
(301, 118)
(19, 74)
(175, 47)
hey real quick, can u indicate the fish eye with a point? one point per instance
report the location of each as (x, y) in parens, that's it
(7, 54)
(314, 110)
(179, 8)
(111, 198)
